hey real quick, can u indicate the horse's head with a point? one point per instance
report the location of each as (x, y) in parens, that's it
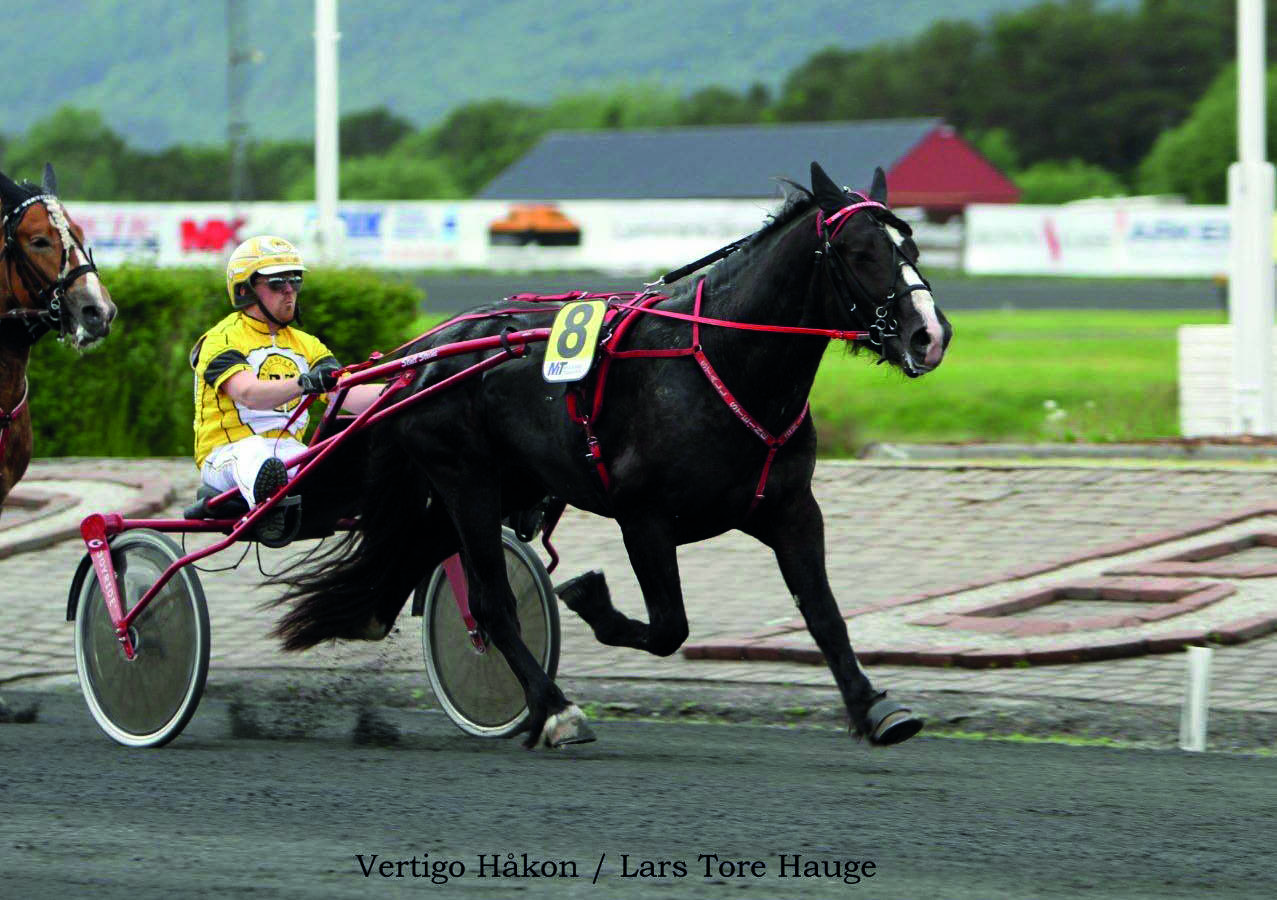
(872, 266)
(47, 275)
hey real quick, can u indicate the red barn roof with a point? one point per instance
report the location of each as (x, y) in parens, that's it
(945, 172)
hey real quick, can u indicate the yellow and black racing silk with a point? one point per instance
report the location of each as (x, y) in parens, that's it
(239, 343)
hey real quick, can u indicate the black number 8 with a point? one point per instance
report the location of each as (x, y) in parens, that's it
(572, 338)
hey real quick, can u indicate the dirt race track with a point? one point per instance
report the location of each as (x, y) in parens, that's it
(786, 812)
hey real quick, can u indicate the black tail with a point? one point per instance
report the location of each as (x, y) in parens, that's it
(360, 585)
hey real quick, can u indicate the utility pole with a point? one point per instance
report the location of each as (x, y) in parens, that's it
(239, 56)
(327, 233)
(1250, 201)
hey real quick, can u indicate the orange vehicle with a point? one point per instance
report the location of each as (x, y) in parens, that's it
(534, 223)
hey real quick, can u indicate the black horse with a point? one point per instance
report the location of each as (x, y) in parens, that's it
(673, 463)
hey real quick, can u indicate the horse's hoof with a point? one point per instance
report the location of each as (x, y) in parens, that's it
(891, 722)
(567, 727)
(373, 630)
(584, 592)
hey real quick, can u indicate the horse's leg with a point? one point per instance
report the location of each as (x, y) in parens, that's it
(795, 530)
(653, 556)
(477, 515)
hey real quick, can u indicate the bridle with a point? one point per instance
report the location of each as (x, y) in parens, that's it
(843, 279)
(48, 293)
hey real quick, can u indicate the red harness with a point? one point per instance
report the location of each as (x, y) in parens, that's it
(627, 306)
(8, 418)
(608, 348)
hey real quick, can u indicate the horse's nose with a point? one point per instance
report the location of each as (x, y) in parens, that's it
(923, 346)
(96, 322)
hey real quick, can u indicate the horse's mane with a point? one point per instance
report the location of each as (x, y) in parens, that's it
(797, 203)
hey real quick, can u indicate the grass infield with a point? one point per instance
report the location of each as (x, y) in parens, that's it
(1080, 375)
(1017, 376)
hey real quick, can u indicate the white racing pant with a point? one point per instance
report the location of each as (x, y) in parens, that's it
(237, 464)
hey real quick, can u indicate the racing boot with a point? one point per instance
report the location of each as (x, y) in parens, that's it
(272, 476)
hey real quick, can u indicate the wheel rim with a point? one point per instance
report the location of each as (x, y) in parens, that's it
(141, 697)
(480, 687)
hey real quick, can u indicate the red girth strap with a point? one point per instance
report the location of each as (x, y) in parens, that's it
(593, 450)
(7, 418)
(774, 442)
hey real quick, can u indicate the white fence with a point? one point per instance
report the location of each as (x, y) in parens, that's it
(639, 236)
(1149, 240)
(623, 236)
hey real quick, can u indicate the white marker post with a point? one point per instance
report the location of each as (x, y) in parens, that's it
(1192, 721)
(327, 233)
(1250, 201)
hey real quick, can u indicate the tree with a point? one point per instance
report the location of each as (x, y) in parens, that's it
(720, 106)
(87, 155)
(1193, 159)
(390, 177)
(476, 141)
(996, 146)
(371, 131)
(1062, 182)
(275, 166)
(177, 173)
(637, 106)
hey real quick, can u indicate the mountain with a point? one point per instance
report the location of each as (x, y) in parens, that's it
(157, 70)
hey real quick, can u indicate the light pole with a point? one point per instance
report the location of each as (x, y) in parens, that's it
(1250, 201)
(239, 56)
(327, 231)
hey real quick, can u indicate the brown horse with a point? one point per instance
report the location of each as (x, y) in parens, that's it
(48, 283)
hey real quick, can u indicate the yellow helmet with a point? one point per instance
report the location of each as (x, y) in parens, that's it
(262, 255)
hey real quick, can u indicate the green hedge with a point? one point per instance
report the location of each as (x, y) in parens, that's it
(133, 394)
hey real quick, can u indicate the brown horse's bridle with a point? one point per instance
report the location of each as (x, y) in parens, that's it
(48, 293)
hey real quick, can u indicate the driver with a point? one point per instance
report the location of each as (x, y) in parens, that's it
(251, 368)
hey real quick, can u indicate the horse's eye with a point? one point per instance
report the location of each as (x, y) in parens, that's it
(41, 243)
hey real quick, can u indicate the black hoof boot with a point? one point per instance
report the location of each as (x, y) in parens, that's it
(585, 593)
(891, 723)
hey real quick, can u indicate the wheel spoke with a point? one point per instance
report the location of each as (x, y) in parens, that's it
(478, 691)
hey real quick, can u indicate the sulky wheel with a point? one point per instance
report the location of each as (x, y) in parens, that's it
(477, 690)
(145, 701)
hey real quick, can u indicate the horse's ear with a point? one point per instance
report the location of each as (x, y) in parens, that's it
(50, 183)
(10, 193)
(878, 190)
(829, 196)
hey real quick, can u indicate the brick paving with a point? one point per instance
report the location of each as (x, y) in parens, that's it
(896, 532)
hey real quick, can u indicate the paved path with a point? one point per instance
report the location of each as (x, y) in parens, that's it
(895, 531)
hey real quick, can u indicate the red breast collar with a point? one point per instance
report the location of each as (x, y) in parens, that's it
(7, 418)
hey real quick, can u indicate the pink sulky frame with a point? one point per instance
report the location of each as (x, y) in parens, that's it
(97, 529)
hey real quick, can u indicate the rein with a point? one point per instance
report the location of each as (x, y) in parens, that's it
(8, 418)
(48, 293)
(584, 412)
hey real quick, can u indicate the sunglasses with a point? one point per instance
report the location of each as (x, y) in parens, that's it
(277, 283)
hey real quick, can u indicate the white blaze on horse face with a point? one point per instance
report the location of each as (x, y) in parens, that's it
(925, 305)
(92, 285)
